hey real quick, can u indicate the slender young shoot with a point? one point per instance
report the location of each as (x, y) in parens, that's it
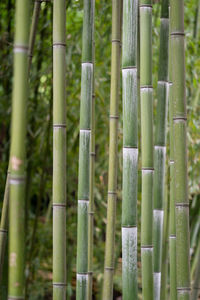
(172, 222)
(113, 154)
(130, 149)
(146, 96)
(92, 174)
(180, 150)
(18, 153)
(84, 151)
(59, 151)
(160, 148)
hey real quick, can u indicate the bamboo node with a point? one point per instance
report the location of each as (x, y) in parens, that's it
(59, 284)
(3, 230)
(116, 41)
(109, 268)
(20, 49)
(114, 117)
(59, 125)
(182, 204)
(59, 205)
(57, 45)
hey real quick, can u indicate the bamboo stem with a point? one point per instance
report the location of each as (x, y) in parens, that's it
(85, 144)
(180, 150)
(18, 153)
(160, 148)
(92, 175)
(113, 155)
(130, 149)
(59, 151)
(172, 223)
(146, 92)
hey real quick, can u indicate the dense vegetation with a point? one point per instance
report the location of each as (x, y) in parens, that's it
(38, 193)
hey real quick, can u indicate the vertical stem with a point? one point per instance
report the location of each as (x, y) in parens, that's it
(35, 18)
(160, 148)
(92, 174)
(18, 153)
(146, 92)
(113, 155)
(196, 284)
(130, 149)
(4, 226)
(85, 145)
(180, 150)
(172, 223)
(59, 151)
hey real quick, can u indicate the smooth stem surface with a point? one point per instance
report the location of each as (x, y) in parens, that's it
(180, 150)
(113, 155)
(59, 151)
(92, 170)
(18, 153)
(85, 172)
(146, 92)
(130, 149)
(160, 148)
(35, 19)
(172, 223)
(4, 226)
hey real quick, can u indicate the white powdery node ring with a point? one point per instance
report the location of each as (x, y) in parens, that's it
(157, 285)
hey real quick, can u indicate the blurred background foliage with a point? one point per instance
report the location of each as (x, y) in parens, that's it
(39, 138)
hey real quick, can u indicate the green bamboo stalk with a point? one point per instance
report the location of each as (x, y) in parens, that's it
(4, 217)
(92, 172)
(196, 284)
(4, 226)
(172, 223)
(160, 148)
(165, 245)
(180, 150)
(113, 153)
(146, 92)
(130, 149)
(18, 153)
(59, 151)
(35, 19)
(84, 150)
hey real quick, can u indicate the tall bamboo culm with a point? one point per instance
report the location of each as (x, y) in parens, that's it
(84, 150)
(172, 223)
(92, 170)
(59, 151)
(4, 216)
(130, 149)
(4, 226)
(160, 147)
(180, 150)
(18, 153)
(146, 96)
(113, 153)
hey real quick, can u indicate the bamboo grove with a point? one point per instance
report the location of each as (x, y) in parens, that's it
(150, 230)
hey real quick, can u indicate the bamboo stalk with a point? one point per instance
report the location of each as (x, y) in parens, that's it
(4, 226)
(130, 149)
(180, 150)
(4, 217)
(59, 151)
(84, 151)
(92, 174)
(160, 148)
(196, 284)
(18, 153)
(146, 91)
(113, 155)
(35, 19)
(172, 223)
